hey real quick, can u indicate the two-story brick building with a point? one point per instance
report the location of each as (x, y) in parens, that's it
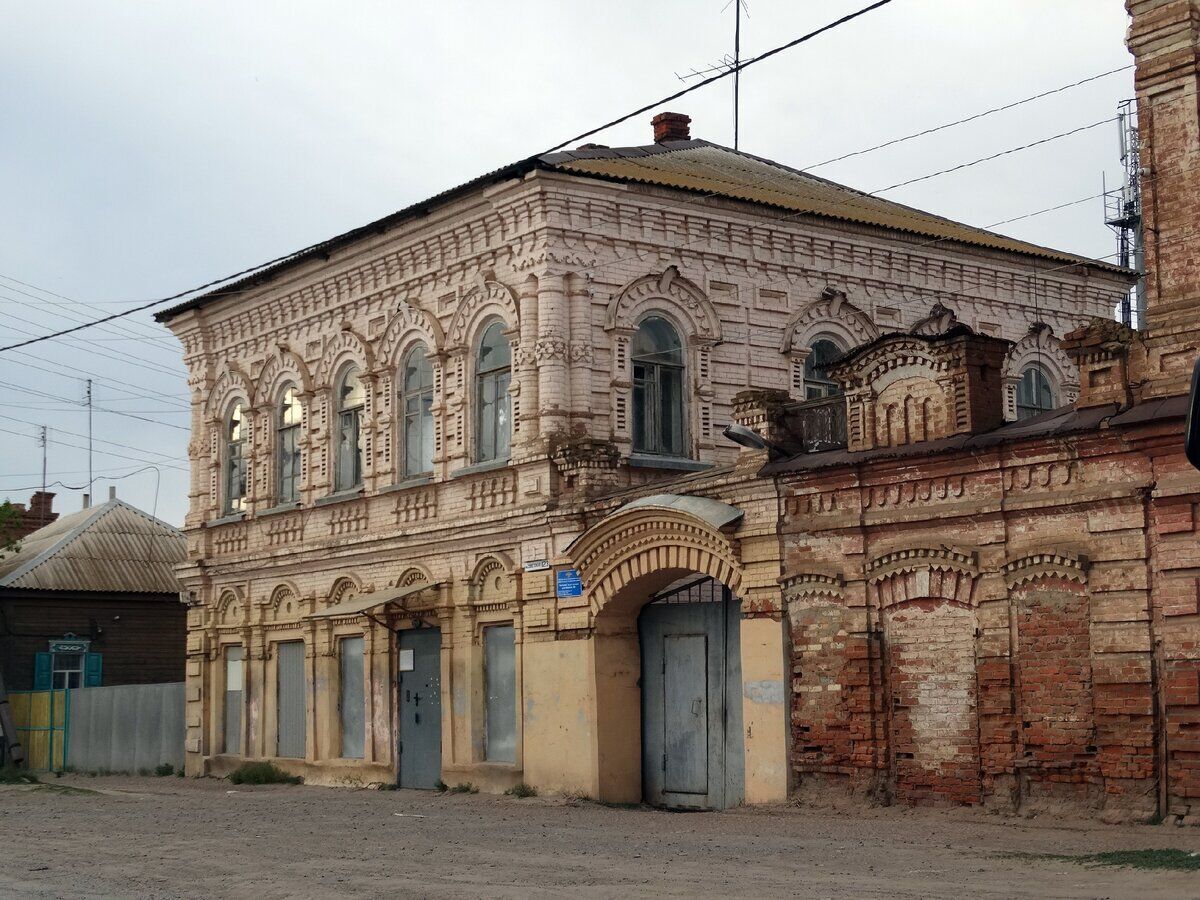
(461, 508)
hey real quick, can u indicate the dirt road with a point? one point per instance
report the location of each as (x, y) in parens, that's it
(172, 837)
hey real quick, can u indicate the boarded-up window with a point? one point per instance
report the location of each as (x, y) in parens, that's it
(290, 731)
(352, 705)
(234, 686)
(500, 678)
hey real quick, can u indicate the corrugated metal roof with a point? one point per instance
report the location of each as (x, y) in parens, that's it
(693, 165)
(112, 547)
(711, 169)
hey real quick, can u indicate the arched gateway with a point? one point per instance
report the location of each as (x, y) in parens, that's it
(663, 579)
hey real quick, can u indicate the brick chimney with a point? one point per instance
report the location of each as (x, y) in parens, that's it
(1164, 38)
(669, 126)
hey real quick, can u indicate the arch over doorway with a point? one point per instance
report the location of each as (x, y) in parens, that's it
(626, 560)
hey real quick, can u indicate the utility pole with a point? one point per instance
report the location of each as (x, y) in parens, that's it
(89, 406)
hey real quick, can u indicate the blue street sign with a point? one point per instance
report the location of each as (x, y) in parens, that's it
(569, 583)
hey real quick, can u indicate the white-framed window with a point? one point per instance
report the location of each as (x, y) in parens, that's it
(416, 404)
(235, 461)
(493, 371)
(287, 445)
(68, 670)
(351, 397)
(658, 397)
(1035, 392)
(817, 384)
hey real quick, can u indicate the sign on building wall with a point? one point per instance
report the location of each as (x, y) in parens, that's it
(568, 583)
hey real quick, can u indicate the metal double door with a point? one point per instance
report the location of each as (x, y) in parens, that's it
(693, 754)
(420, 708)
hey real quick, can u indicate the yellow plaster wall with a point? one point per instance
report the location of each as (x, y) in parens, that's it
(558, 717)
(764, 710)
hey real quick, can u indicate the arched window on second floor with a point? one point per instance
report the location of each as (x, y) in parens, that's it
(287, 445)
(351, 398)
(234, 482)
(416, 402)
(824, 349)
(493, 370)
(1035, 392)
(658, 401)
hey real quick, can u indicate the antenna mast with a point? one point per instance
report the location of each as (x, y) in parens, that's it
(1123, 214)
(737, 72)
(89, 406)
(42, 441)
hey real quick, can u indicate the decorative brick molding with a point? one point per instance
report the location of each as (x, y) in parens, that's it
(1041, 348)
(1057, 564)
(632, 544)
(923, 573)
(671, 292)
(812, 586)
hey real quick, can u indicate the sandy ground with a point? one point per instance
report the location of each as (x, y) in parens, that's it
(173, 837)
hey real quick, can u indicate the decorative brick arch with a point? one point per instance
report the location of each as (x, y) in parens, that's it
(284, 366)
(1057, 565)
(1040, 347)
(623, 557)
(342, 587)
(669, 292)
(232, 384)
(230, 609)
(345, 346)
(484, 301)
(938, 573)
(284, 604)
(407, 325)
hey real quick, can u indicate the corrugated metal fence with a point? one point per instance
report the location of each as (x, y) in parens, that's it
(127, 728)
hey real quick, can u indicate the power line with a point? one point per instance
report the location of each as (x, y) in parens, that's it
(166, 456)
(739, 67)
(984, 159)
(150, 367)
(148, 395)
(152, 462)
(115, 412)
(971, 118)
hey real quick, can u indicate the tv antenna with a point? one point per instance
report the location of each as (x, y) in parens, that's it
(728, 62)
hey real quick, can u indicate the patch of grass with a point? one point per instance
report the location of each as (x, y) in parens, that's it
(166, 770)
(522, 790)
(464, 787)
(387, 786)
(262, 773)
(17, 776)
(440, 786)
(1163, 860)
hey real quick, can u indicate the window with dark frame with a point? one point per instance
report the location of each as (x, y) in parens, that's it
(817, 383)
(658, 379)
(416, 403)
(235, 461)
(1035, 392)
(288, 445)
(493, 371)
(351, 398)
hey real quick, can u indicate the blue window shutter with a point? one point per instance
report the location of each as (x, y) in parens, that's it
(91, 670)
(41, 671)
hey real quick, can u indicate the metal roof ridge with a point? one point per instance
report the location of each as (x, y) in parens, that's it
(98, 512)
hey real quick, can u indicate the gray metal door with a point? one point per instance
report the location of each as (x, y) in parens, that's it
(290, 681)
(692, 748)
(420, 700)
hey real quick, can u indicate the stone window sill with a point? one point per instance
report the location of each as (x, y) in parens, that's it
(338, 497)
(648, 461)
(281, 508)
(490, 466)
(415, 481)
(226, 520)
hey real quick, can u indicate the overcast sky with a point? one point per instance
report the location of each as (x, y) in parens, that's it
(148, 147)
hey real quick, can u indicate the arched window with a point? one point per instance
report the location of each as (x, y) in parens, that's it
(657, 355)
(350, 400)
(416, 401)
(493, 370)
(235, 461)
(817, 383)
(1035, 392)
(287, 445)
